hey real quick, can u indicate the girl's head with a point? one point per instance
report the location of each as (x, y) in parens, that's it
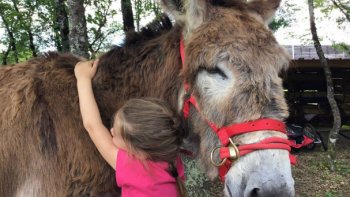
(150, 127)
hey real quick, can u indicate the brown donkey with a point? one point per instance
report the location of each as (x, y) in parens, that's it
(232, 66)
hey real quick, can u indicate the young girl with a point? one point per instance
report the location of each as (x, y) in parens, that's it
(143, 144)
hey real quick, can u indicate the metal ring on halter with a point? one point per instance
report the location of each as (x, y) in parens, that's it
(212, 158)
(233, 149)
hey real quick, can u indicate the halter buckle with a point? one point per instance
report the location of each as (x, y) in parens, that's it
(233, 150)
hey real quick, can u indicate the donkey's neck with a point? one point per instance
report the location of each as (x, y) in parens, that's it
(146, 69)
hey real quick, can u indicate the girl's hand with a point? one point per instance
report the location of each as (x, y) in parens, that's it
(86, 69)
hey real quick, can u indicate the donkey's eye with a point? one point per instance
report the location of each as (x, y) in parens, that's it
(216, 71)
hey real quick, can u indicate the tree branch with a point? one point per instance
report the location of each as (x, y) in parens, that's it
(342, 9)
(99, 36)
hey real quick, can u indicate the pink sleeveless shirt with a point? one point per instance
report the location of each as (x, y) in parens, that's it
(147, 178)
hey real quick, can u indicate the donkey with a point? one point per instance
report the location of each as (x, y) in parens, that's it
(231, 68)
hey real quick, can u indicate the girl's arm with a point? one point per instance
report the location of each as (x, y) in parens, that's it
(99, 134)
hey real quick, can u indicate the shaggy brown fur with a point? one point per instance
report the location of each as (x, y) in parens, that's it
(43, 146)
(256, 60)
(44, 150)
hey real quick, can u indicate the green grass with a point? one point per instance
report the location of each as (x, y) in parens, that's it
(345, 126)
(333, 194)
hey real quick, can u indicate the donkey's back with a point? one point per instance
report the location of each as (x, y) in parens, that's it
(44, 150)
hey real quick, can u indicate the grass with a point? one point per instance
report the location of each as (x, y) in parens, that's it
(345, 127)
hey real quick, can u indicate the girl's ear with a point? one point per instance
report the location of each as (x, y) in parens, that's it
(112, 131)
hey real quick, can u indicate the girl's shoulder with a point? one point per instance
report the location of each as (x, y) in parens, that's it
(129, 164)
(129, 160)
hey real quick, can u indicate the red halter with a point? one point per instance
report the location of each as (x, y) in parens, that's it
(230, 151)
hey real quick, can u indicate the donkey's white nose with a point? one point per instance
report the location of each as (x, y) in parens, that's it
(264, 173)
(270, 189)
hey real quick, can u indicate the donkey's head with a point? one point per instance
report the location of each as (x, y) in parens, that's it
(232, 66)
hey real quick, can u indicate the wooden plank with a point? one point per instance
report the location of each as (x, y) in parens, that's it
(315, 97)
(308, 94)
(305, 77)
(315, 109)
(336, 73)
(342, 82)
(339, 84)
(345, 74)
(345, 107)
(316, 86)
(333, 63)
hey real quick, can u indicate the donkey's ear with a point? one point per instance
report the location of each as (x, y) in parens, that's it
(196, 12)
(174, 8)
(265, 8)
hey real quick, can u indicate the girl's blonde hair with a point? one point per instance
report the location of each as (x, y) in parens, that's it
(151, 126)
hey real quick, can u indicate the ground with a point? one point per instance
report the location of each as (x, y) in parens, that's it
(312, 177)
(311, 174)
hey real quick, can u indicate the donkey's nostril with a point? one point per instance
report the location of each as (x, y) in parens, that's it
(268, 191)
(255, 192)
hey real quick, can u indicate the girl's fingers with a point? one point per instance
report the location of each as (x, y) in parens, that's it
(94, 66)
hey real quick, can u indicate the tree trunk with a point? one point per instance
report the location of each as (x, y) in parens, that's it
(138, 9)
(333, 135)
(62, 26)
(128, 16)
(11, 38)
(78, 39)
(6, 54)
(31, 43)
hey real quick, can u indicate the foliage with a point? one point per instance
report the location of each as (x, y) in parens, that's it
(15, 37)
(24, 16)
(100, 30)
(342, 47)
(284, 16)
(329, 8)
(145, 9)
(39, 16)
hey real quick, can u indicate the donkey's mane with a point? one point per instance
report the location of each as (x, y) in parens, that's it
(133, 40)
(157, 27)
(137, 47)
(162, 24)
(230, 3)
